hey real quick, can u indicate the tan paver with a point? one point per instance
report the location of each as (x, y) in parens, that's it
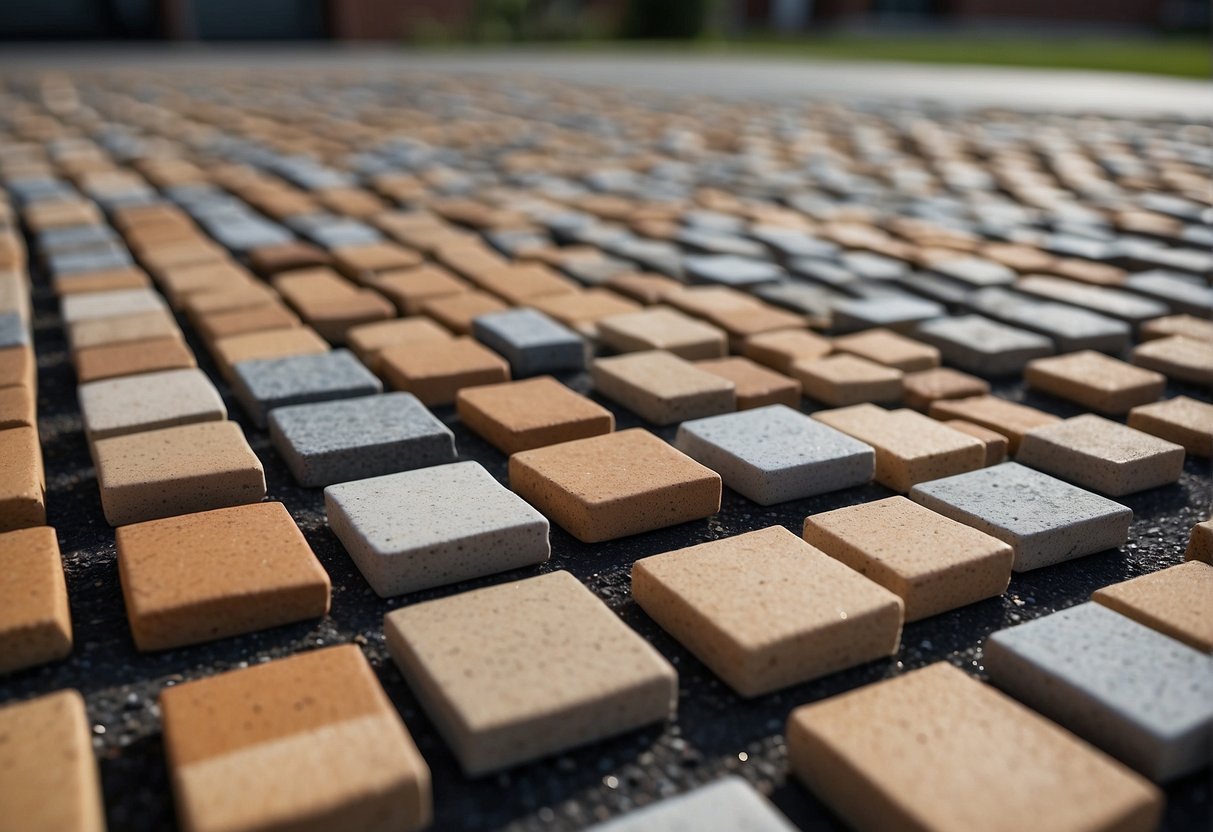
(178, 470)
(781, 349)
(456, 312)
(270, 260)
(306, 742)
(526, 669)
(18, 407)
(119, 406)
(884, 346)
(106, 280)
(1189, 326)
(521, 415)
(1095, 381)
(141, 326)
(1177, 601)
(362, 263)
(841, 380)
(662, 387)
(615, 485)
(765, 610)
(50, 781)
(114, 360)
(1011, 419)
(220, 573)
(22, 482)
(410, 289)
(35, 625)
(435, 376)
(263, 318)
(935, 749)
(662, 328)
(934, 564)
(369, 340)
(995, 442)
(582, 310)
(1200, 543)
(643, 287)
(754, 385)
(276, 343)
(921, 389)
(1178, 357)
(1182, 420)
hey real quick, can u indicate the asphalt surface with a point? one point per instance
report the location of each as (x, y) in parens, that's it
(715, 733)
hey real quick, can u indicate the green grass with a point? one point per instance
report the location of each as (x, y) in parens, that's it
(1182, 56)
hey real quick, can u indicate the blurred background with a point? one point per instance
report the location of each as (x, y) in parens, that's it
(1156, 36)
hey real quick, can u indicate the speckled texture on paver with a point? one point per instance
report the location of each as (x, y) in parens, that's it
(265, 384)
(1177, 601)
(35, 624)
(149, 401)
(775, 454)
(526, 669)
(729, 804)
(1182, 420)
(531, 341)
(1045, 520)
(662, 387)
(1095, 380)
(1144, 697)
(353, 439)
(979, 345)
(434, 526)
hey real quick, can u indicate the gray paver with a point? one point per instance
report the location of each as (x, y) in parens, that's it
(532, 342)
(731, 270)
(984, 347)
(1181, 292)
(264, 384)
(728, 805)
(895, 312)
(1071, 328)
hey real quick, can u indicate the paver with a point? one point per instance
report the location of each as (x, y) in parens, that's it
(775, 454)
(662, 328)
(1096, 381)
(220, 573)
(644, 287)
(1102, 455)
(368, 341)
(1178, 357)
(1182, 293)
(525, 669)
(1012, 419)
(1069, 327)
(521, 415)
(612, 486)
(306, 742)
(901, 313)
(781, 349)
(178, 470)
(434, 526)
(661, 387)
(889, 348)
(934, 564)
(531, 341)
(77, 308)
(364, 262)
(18, 407)
(22, 481)
(995, 442)
(258, 346)
(1174, 601)
(979, 345)
(817, 617)
(409, 289)
(436, 376)
(894, 754)
(106, 280)
(731, 270)
(149, 401)
(264, 318)
(35, 625)
(1190, 326)
(1045, 520)
(923, 387)
(910, 448)
(582, 310)
(1114, 303)
(840, 380)
(50, 781)
(351, 439)
(264, 384)
(1200, 543)
(112, 361)
(754, 385)
(284, 257)
(726, 805)
(456, 312)
(1182, 420)
(1142, 696)
(119, 329)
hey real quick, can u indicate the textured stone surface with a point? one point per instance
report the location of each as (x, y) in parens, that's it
(889, 348)
(531, 341)
(50, 781)
(1096, 381)
(1142, 696)
(1011, 419)
(982, 346)
(1175, 601)
(995, 442)
(434, 526)
(615, 485)
(521, 415)
(352, 439)
(817, 616)
(116, 360)
(923, 387)
(841, 380)
(661, 328)
(308, 741)
(22, 479)
(261, 345)
(931, 562)
(729, 804)
(1045, 520)
(526, 669)
(149, 401)
(1182, 420)
(1178, 357)
(214, 574)
(775, 454)
(754, 385)
(781, 349)
(923, 750)
(35, 625)
(661, 387)
(265, 384)
(1102, 455)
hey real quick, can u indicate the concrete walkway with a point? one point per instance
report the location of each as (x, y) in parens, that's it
(727, 75)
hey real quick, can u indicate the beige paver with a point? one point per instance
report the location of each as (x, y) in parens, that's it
(1011, 419)
(18, 407)
(1178, 357)
(841, 380)
(254, 346)
(306, 742)
(521, 415)
(35, 625)
(1095, 381)
(456, 312)
(525, 669)
(754, 385)
(141, 326)
(921, 389)
(781, 349)
(662, 328)
(995, 442)
(1182, 420)
(263, 318)
(435, 376)
(118, 406)
(1189, 326)
(1200, 543)
(1177, 601)
(369, 340)
(765, 610)
(662, 387)
(411, 288)
(884, 346)
(582, 310)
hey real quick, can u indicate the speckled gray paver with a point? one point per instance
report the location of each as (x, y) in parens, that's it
(728, 805)
(774, 454)
(892, 311)
(1070, 328)
(1045, 520)
(979, 345)
(531, 341)
(1182, 292)
(1103, 455)
(434, 526)
(264, 384)
(1144, 697)
(730, 270)
(353, 439)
